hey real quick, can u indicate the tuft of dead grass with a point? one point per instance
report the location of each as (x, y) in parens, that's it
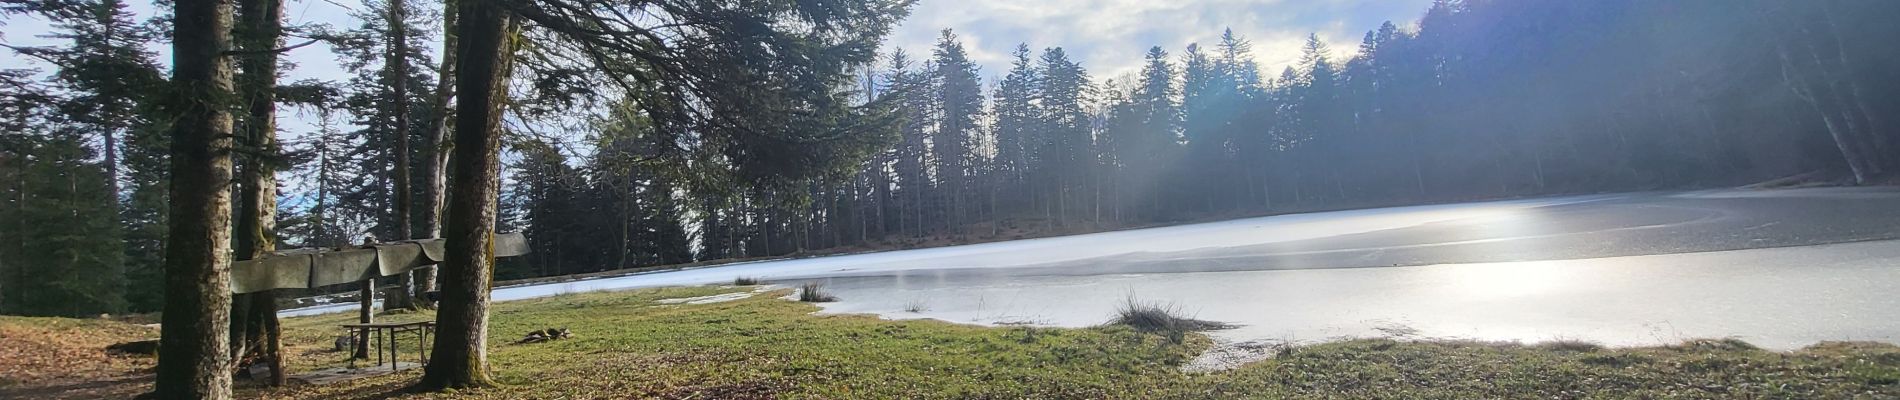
(1166, 319)
(814, 292)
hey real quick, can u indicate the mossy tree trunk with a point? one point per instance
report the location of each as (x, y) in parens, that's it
(460, 356)
(194, 360)
(255, 327)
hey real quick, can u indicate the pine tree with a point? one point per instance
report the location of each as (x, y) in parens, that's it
(389, 99)
(109, 84)
(912, 180)
(550, 194)
(108, 74)
(1069, 151)
(1322, 123)
(255, 333)
(322, 170)
(485, 32)
(68, 263)
(1017, 124)
(194, 360)
(959, 99)
(396, 64)
(633, 178)
(435, 133)
(12, 199)
(1201, 125)
(146, 159)
(1197, 75)
(1150, 144)
(1119, 136)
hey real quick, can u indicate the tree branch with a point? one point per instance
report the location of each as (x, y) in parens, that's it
(264, 51)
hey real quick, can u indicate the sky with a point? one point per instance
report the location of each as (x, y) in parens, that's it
(1108, 37)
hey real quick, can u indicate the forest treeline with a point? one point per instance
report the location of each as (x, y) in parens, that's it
(1477, 99)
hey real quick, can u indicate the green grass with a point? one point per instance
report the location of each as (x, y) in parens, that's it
(625, 345)
(1451, 370)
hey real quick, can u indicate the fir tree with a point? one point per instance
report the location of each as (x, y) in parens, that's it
(959, 103)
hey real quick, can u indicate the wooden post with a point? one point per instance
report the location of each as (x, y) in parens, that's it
(365, 314)
(274, 339)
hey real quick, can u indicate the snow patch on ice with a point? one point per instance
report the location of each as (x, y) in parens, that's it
(717, 298)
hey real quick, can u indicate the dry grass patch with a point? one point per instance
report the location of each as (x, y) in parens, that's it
(48, 357)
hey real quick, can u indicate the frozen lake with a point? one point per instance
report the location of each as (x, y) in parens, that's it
(1781, 269)
(1780, 298)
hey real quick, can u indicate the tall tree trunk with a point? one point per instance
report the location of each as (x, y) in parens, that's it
(398, 65)
(857, 209)
(110, 129)
(11, 247)
(437, 154)
(194, 360)
(1418, 165)
(460, 357)
(320, 211)
(256, 327)
(625, 206)
(111, 159)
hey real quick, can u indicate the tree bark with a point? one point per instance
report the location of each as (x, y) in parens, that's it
(194, 360)
(460, 356)
(436, 151)
(398, 65)
(255, 328)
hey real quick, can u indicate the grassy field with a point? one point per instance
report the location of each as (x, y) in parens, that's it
(627, 345)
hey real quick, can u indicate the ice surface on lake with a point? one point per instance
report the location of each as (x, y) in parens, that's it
(1231, 233)
(1631, 269)
(1837, 292)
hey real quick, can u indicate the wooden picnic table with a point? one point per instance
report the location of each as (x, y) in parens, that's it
(386, 332)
